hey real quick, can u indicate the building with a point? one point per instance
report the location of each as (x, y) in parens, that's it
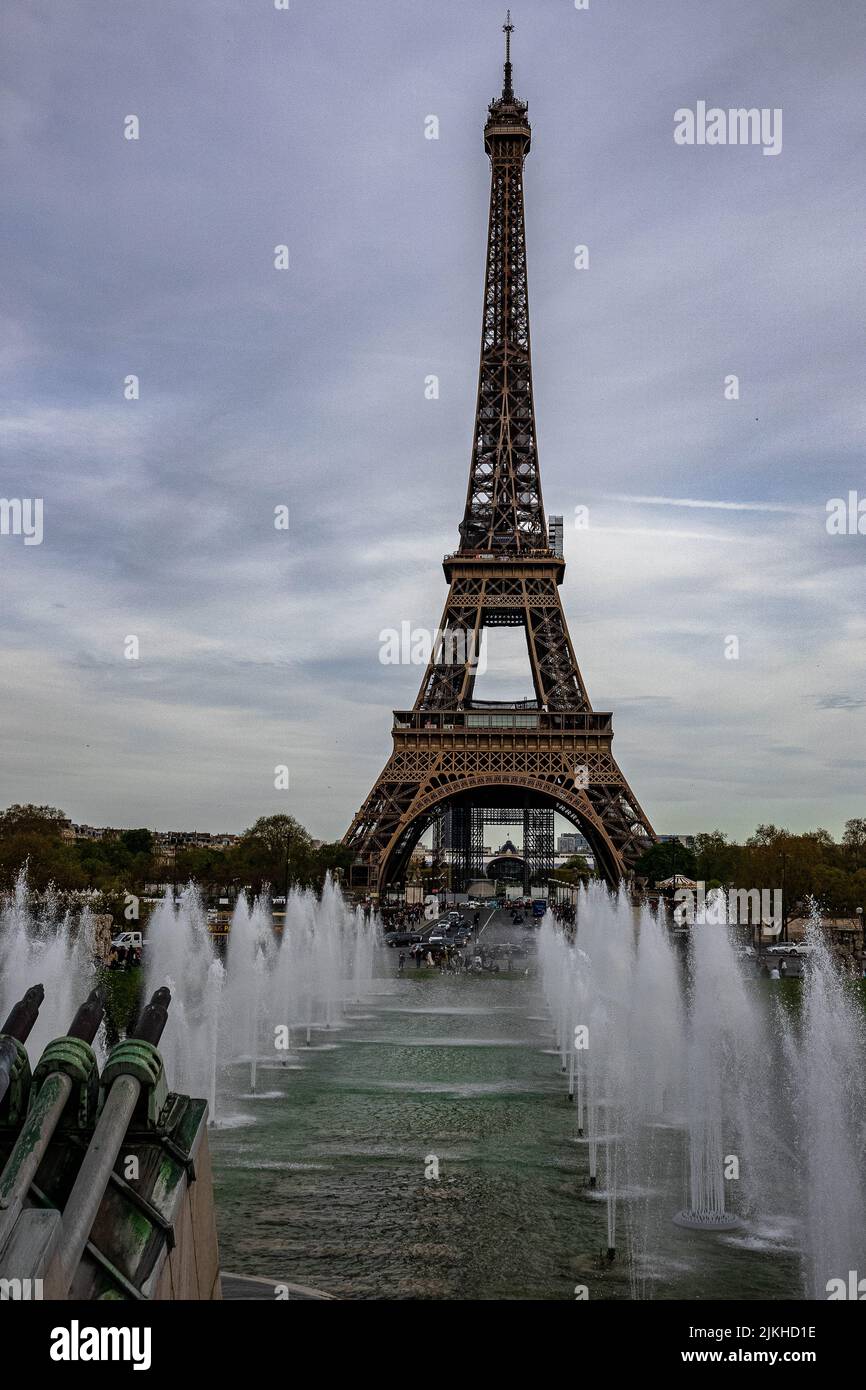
(95, 832)
(167, 843)
(571, 843)
(170, 843)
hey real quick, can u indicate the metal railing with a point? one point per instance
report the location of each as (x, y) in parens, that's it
(489, 556)
(523, 715)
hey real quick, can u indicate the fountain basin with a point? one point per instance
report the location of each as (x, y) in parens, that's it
(707, 1221)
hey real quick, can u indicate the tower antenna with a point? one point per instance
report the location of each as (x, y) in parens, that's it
(508, 30)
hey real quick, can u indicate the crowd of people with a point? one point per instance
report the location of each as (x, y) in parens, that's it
(124, 957)
(450, 958)
(402, 918)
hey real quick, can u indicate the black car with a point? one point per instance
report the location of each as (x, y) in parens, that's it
(402, 938)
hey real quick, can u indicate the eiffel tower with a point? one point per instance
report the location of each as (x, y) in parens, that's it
(453, 752)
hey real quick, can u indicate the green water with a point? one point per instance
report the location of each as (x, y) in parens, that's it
(320, 1177)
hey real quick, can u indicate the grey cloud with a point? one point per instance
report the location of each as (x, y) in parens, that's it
(306, 387)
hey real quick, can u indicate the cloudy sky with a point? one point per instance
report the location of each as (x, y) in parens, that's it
(304, 388)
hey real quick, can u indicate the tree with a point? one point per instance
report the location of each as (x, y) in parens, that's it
(854, 840)
(203, 864)
(30, 819)
(765, 835)
(138, 841)
(716, 860)
(835, 891)
(330, 858)
(276, 850)
(666, 858)
(31, 835)
(574, 870)
(279, 834)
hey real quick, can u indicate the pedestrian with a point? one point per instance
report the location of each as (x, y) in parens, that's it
(402, 960)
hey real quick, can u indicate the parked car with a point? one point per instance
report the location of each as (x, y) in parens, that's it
(402, 938)
(128, 938)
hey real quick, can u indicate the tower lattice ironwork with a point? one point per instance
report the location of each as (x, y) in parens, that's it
(460, 836)
(553, 751)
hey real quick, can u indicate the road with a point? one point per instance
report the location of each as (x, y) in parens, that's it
(496, 931)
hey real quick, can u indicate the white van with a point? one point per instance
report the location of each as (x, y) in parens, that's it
(128, 938)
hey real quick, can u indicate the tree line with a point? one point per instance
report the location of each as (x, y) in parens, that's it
(275, 851)
(812, 864)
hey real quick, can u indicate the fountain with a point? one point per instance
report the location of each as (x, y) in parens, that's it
(719, 1118)
(240, 1011)
(48, 948)
(719, 1040)
(830, 1107)
(702, 1080)
(270, 988)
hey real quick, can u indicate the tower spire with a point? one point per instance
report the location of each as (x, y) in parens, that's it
(507, 88)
